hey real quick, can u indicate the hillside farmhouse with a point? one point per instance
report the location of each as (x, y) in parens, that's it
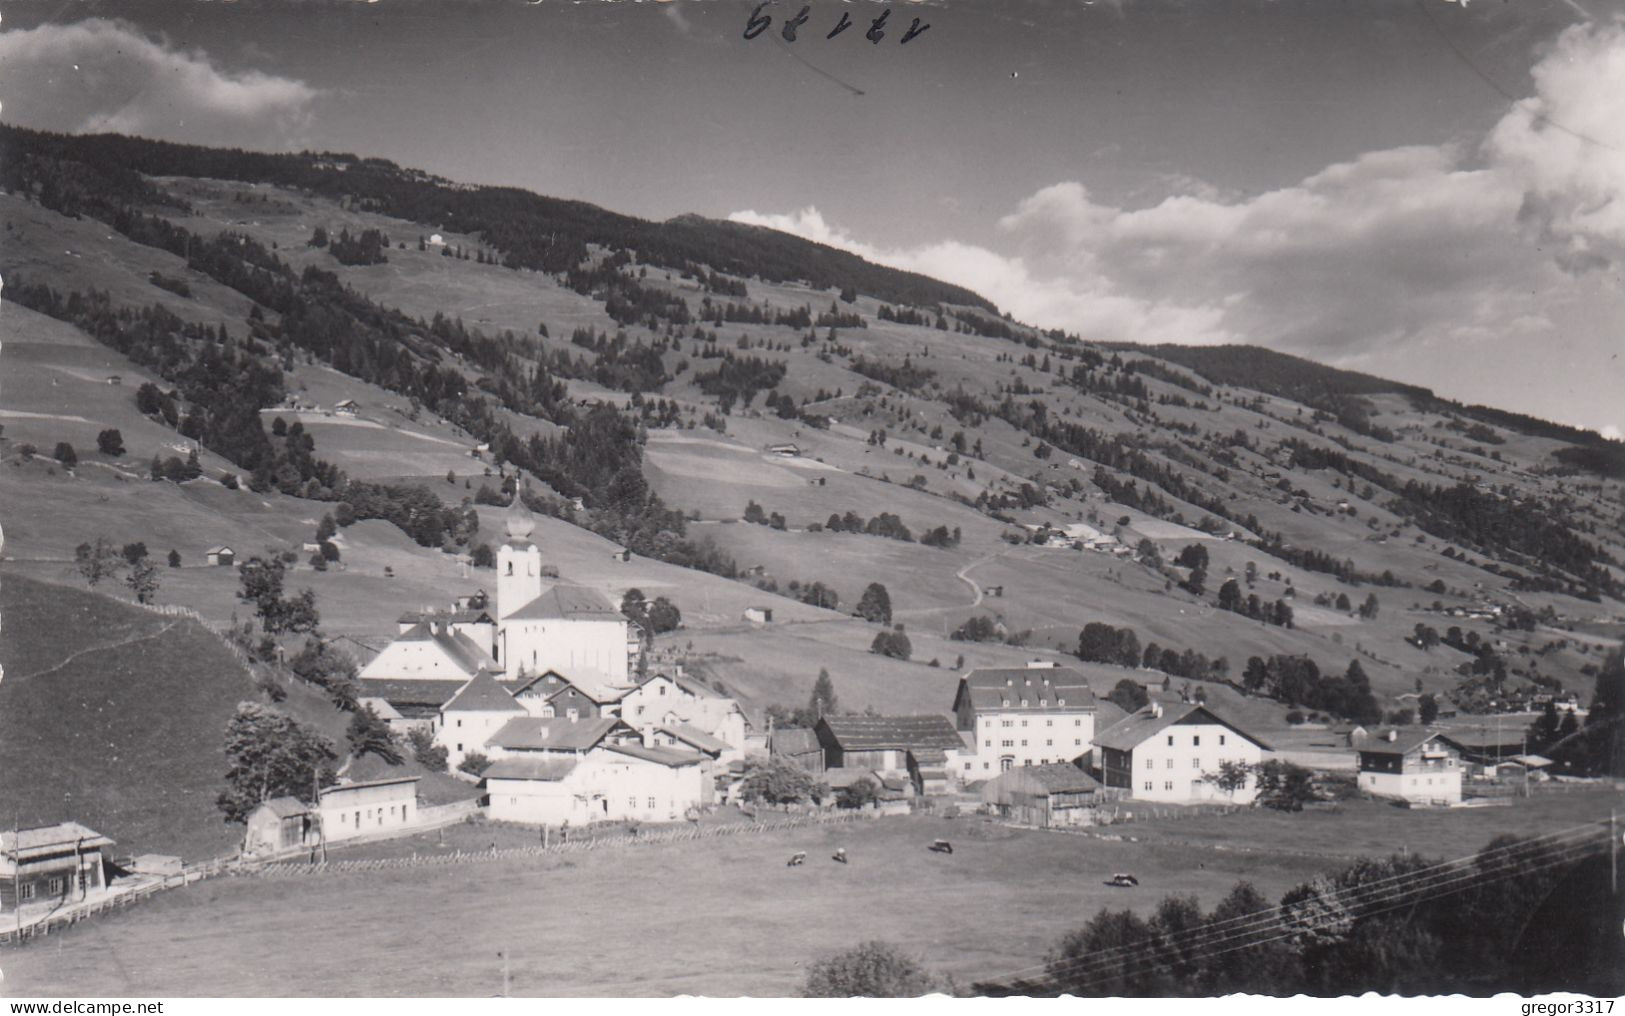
(221, 557)
(1168, 753)
(50, 866)
(1047, 796)
(916, 747)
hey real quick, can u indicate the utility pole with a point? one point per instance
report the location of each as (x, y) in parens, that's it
(505, 978)
(1613, 851)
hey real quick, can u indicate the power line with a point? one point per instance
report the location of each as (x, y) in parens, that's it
(1569, 853)
(1096, 965)
(1369, 888)
(1487, 864)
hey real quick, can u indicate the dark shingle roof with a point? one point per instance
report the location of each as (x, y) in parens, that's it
(572, 602)
(482, 694)
(1059, 779)
(554, 733)
(664, 756)
(1405, 742)
(1133, 729)
(867, 733)
(411, 692)
(287, 807)
(1026, 689)
(549, 769)
(793, 741)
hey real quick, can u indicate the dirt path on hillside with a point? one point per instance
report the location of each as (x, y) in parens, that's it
(96, 649)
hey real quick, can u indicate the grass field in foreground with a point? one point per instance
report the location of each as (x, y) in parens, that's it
(718, 917)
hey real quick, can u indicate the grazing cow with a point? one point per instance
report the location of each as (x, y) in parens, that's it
(942, 847)
(797, 859)
(839, 856)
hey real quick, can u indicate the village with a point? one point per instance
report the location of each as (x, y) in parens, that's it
(553, 715)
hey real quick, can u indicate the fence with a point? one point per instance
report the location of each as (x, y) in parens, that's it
(40, 927)
(576, 846)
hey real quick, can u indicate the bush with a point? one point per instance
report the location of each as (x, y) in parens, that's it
(474, 763)
(110, 442)
(65, 454)
(870, 970)
(892, 643)
(1294, 717)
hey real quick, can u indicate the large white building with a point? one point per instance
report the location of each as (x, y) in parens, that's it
(479, 709)
(1023, 716)
(542, 625)
(1171, 753)
(606, 783)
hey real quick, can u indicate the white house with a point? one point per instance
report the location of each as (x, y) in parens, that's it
(604, 784)
(1420, 766)
(349, 810)
(673, 700)
(1039, 714)
(1171, 753)
(478, 710)
(558, 736)
(428, 651)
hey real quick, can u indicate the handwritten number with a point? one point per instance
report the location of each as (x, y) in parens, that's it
(758, 22)
(845, 23)
(915, 29)
(877, 30)
(794, 23)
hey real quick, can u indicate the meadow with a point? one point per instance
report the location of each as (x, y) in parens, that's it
(729, 918)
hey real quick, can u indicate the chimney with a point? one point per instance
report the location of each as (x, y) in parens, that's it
(1156, 710)
(1392, 735)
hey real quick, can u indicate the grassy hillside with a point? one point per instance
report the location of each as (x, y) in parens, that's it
(114, 716)
(901, 400)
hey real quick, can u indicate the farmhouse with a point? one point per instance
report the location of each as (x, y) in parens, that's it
(889, 745)
(348, 810)
(552, 694)
(666, 699)
(479, 709)
(609, 782)
(1489, 745)
(540, 737)
(1419, 766)
(406, 704)
(221, 557)
(430, 651)
(786, 450)
(51, 865)
(759, 615)
(1047, 795)
(1034, 715)
(1170, 753)
(346, 407)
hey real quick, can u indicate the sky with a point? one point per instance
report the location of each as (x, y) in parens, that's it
(1426, 190)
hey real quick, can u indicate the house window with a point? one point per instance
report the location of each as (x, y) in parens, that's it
(55, 886)
(1168, 785)
(1148, 784)
(1170, 763)
(1007, 723)
(1077, 741)
(27, 890)
(1060, 702)
(1024, 742)
(967, 765)
(988, 743)
(1049, 723)
(459, 746)
(1023, 703)
(1196, 740)
(632, 804)
(1007, 743)
(1023, 722)
(651, 803)
(1196, 763)
(1221, 738)
(1150, 763)
(459, 722)
(1049, 744)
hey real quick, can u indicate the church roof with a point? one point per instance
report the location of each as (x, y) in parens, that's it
(573, 603)
(459, 648)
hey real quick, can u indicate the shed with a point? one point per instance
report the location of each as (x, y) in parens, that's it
(282, 823)
(1046, 796)
(759, 615)
(221, 557)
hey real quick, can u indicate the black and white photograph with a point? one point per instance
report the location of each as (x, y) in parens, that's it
(718, 499)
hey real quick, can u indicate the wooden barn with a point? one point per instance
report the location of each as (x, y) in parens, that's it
(50, 865)
(1047, 796)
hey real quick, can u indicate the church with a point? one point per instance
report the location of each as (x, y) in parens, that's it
(539, 625)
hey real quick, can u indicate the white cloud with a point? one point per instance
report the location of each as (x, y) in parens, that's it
(1434, 263)
(102, 75)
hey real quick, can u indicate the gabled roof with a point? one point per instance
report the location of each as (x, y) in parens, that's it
(1051, 779)
(459, 616)
(689, 735)
(1486, 737)
(550, 770)
(793, 741)
(463, 652)
(1133, 729)
(869, 733)
(1403, 743)
(600, 693)
(431, 692)
(482, 694)
(574, 603)
(339, 788)
(554, 733)
(43, 839)
(1025, 689)
(671, 757)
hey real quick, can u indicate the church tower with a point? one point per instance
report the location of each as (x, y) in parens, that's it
(519, 565)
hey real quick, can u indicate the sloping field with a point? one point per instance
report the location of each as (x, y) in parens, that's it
(114, 716)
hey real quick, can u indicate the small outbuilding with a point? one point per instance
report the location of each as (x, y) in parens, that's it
(50, 865)
(1047, 796)
(759, 615)
(221, 557)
